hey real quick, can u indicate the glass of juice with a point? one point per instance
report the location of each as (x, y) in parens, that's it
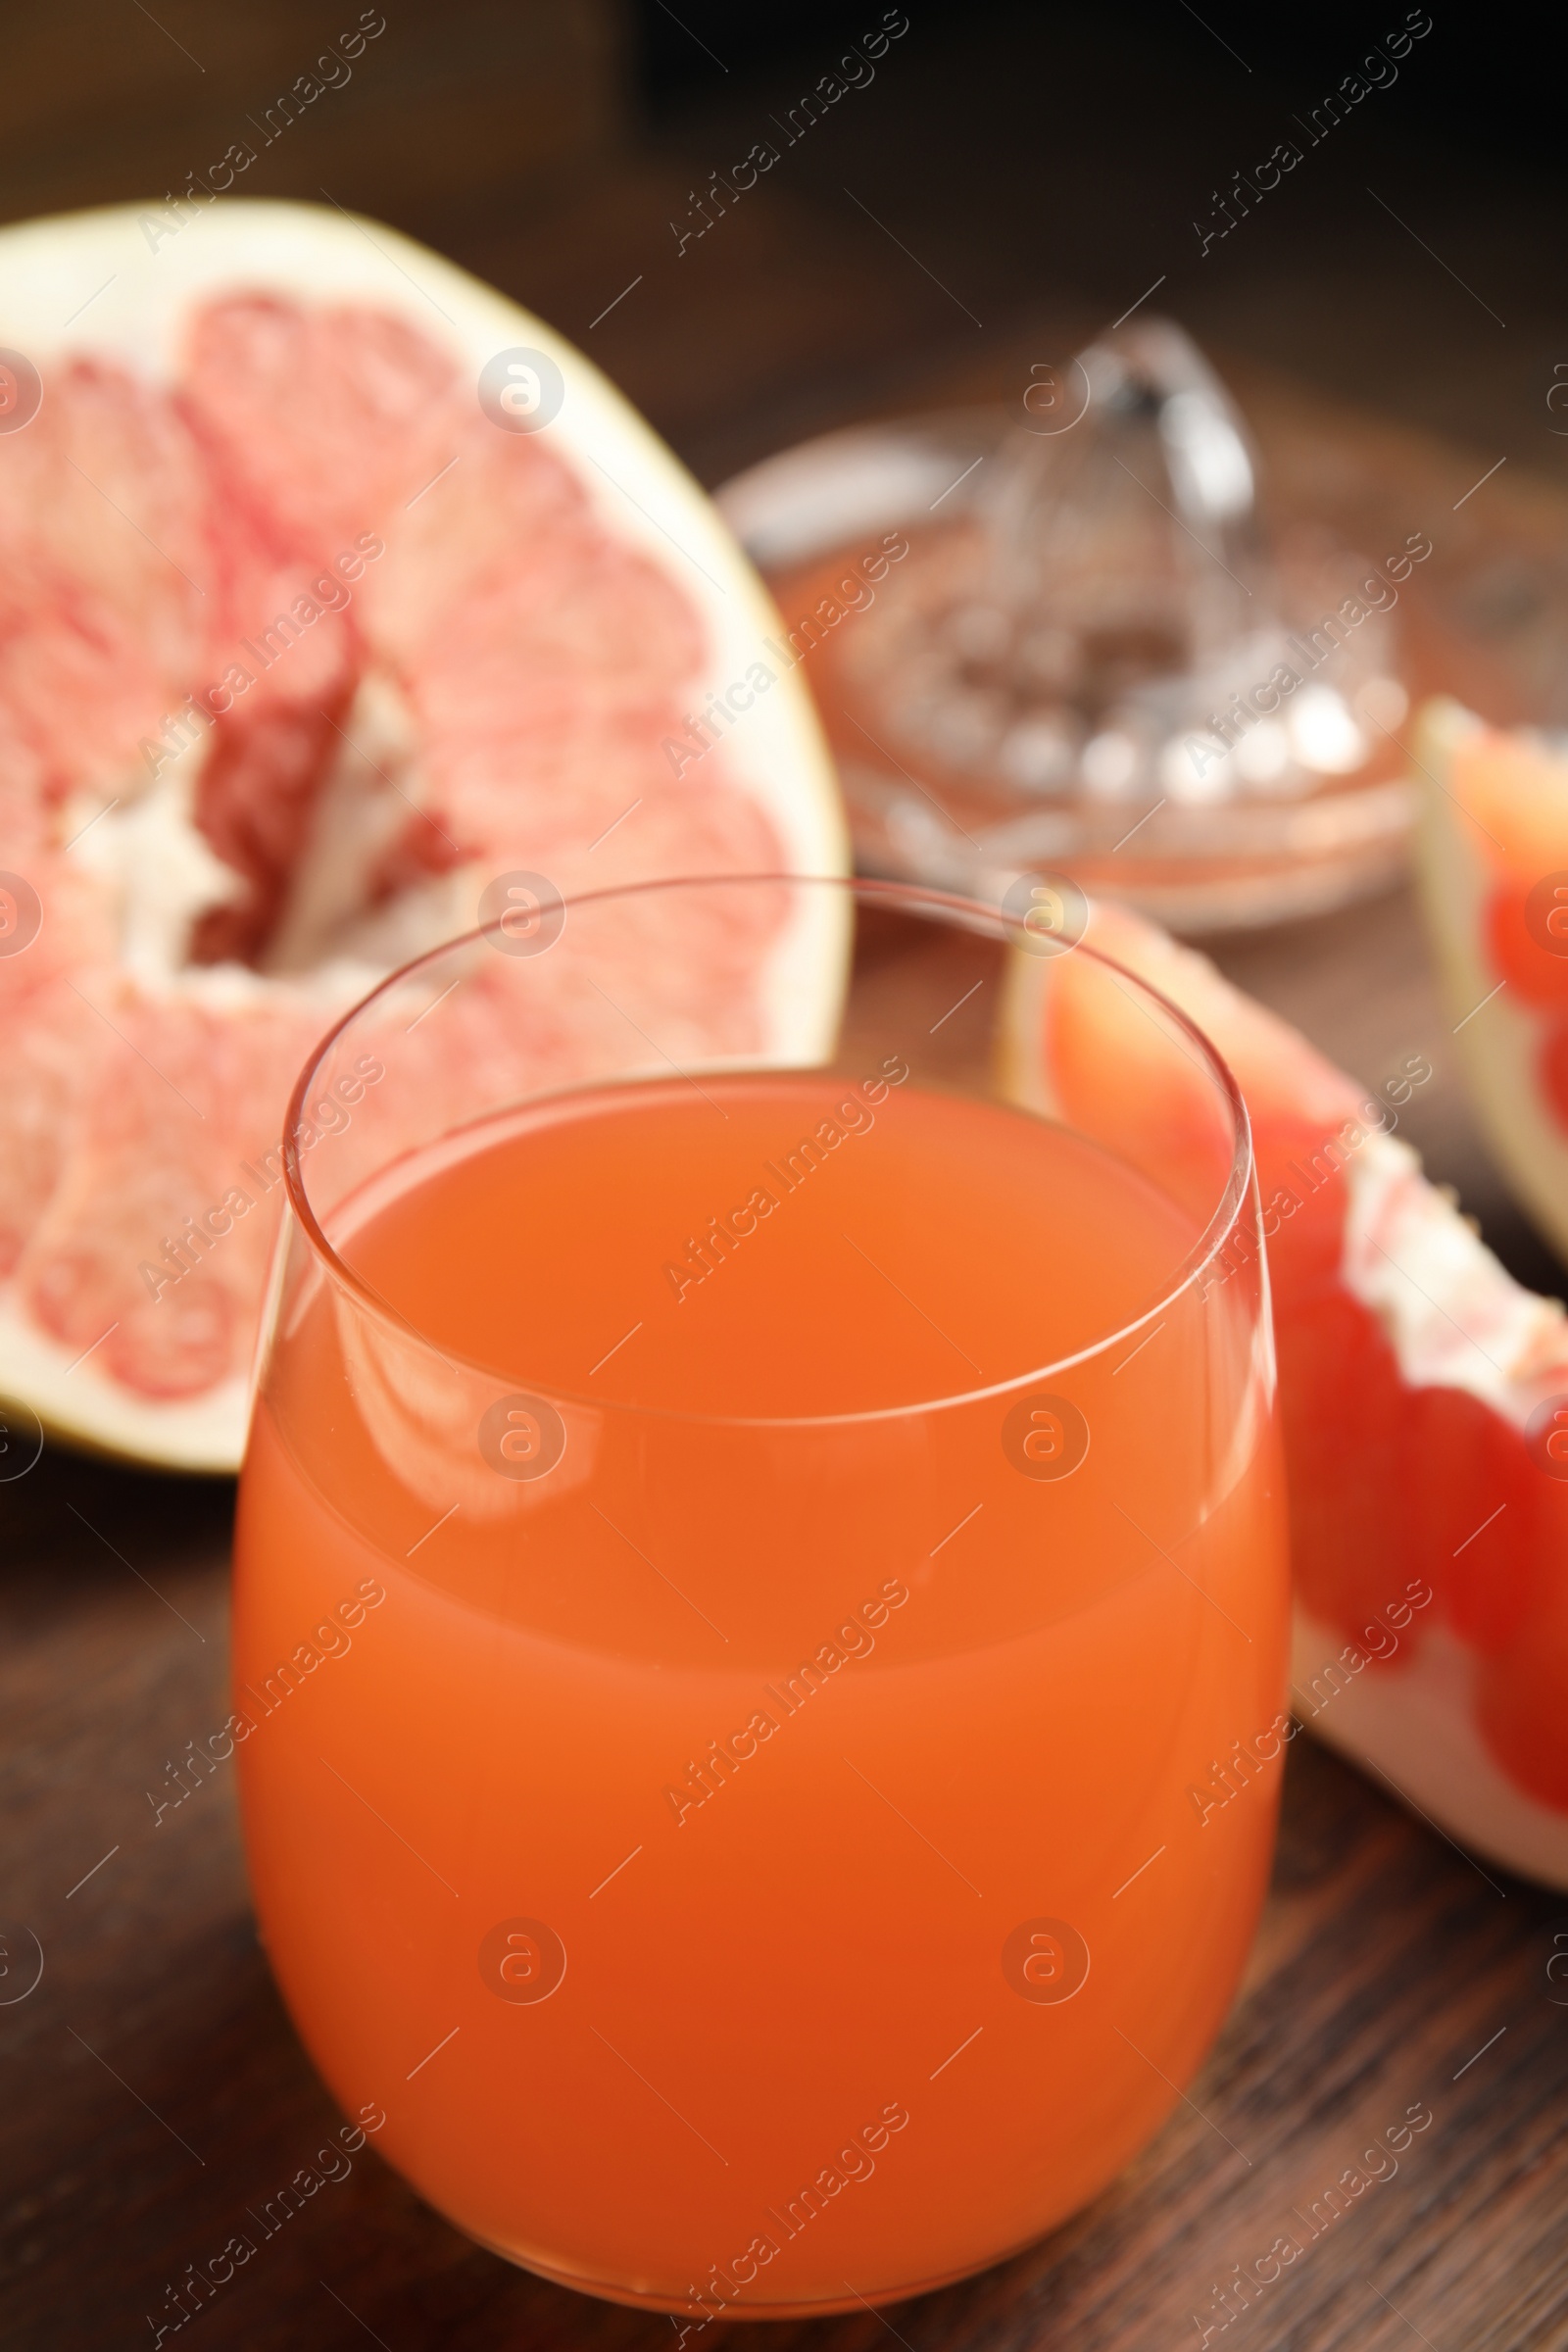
(761, 1596)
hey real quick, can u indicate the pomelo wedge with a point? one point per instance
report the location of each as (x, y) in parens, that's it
(334, 587)
(1419, 1389)
(1493, 870)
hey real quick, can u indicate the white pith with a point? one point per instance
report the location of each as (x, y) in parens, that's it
(134, 289)
(160, 875)
(1457, 1319)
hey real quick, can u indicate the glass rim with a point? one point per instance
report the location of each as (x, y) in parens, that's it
(971, 914)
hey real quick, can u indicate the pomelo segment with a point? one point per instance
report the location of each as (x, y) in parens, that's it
(309, 636)
(1494, 871)
(1418, 1383)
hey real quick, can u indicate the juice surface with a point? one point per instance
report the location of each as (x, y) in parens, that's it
(773, 1854)
(771, 1246)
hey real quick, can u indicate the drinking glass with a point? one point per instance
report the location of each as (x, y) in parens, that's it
(760, 1600)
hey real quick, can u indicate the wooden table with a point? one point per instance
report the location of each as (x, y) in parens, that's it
(153, 2087)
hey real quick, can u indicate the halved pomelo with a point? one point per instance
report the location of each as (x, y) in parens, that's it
(1493, 870)
(334, 589)
(1424, 1397)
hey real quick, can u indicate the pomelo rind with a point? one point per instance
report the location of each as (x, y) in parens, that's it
(1416, 1727)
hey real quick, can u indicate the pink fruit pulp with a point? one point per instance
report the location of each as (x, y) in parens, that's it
(329, 466)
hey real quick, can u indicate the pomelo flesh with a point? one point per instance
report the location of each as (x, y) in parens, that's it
(301, 649)
(1429, 1506)
(1494, 871)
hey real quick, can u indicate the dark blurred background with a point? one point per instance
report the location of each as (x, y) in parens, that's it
(1018, 166)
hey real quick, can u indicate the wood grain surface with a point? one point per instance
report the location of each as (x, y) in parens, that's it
(151, 2089)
